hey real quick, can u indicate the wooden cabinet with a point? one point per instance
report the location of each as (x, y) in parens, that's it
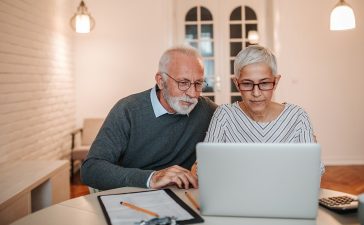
(28, 186)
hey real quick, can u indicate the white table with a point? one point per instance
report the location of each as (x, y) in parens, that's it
(86, 210)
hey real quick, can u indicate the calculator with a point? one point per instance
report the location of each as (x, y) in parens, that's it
(340, 204)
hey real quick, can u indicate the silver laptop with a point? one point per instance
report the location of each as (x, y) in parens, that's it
(259, 180)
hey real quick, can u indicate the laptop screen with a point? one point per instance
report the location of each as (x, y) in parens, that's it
(259, 180)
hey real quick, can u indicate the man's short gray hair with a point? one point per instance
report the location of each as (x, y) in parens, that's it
(255, 54)
(183, 49)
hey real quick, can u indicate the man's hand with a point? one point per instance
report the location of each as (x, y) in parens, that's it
(173, 175)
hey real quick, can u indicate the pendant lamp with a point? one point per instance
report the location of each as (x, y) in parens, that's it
(342, 17)
(253, 37)
(82, 21)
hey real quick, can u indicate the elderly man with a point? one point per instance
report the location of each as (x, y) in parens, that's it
(148, 139)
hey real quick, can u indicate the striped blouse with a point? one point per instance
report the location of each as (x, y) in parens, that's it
(230, 124)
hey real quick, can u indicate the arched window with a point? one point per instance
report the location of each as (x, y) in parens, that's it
(242, 20)
(199, 33)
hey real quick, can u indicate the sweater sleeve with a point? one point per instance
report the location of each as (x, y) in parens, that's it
(101, 169)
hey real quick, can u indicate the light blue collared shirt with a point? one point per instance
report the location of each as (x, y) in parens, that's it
(158, 109)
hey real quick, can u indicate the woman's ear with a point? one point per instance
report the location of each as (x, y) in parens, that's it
(235, 80)
(276, 80)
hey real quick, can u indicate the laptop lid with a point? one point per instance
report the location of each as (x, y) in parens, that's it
(259, 180)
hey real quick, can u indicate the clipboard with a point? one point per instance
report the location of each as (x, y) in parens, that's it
(154, 200)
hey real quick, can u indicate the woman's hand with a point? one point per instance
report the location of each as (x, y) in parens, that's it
(194, 169)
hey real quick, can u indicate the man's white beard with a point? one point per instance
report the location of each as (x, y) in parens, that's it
(174, 102)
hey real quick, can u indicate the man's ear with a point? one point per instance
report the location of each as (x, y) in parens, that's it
(276, 80)
(159, 80)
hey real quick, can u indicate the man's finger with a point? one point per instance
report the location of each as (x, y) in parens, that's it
(192, 180)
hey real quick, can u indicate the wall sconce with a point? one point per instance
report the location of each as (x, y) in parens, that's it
(253, 37)
(82, 21)
(342, 17)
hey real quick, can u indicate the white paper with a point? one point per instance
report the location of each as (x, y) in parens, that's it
(155, 201)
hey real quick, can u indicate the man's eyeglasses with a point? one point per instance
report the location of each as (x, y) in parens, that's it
(184, 85)
(263, 86)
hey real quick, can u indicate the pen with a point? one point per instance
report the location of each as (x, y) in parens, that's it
(192, 200)
(131, 206)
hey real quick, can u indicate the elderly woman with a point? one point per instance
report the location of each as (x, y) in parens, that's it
(257, 119)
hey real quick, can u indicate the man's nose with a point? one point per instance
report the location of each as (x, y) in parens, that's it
(191, 92)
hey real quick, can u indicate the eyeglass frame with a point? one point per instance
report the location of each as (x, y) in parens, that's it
(259, 85)
(179, 82)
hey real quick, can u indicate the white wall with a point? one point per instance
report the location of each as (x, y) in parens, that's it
(37, 111)
(322, 71)
(120, 56)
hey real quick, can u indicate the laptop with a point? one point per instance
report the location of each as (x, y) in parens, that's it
(279, 180)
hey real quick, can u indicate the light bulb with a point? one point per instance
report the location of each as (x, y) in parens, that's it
(83, 24)
(253, 37)
(342, 17)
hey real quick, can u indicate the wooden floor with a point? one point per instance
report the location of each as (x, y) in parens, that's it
(77, 187)
(349, 179)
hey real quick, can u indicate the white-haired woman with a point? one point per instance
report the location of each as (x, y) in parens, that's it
(256, 118)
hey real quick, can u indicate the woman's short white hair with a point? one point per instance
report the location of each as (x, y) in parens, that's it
(255, 54)
(183, 49)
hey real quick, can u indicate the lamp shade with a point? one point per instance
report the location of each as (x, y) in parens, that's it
(342, 17)
(253, 37)
(82, 21)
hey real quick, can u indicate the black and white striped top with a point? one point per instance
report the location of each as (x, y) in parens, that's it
(230, 124)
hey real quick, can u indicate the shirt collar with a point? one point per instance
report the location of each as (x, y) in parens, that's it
(158, 109)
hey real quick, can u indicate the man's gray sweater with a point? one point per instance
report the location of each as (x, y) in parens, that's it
(132, 142)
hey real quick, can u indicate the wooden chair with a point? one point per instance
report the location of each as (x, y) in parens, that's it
(82, 139)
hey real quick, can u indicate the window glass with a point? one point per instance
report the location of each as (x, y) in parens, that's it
(241, 22)
(235, 99)
(250, 14)
(209, 75)
(235, 48)
(206, 48)
(235, 31)
(207, 31)
(192, 15)
(200, 35)
(193, 44)
(236, 14)
(233, 87)
(232, 67)
(205, 14)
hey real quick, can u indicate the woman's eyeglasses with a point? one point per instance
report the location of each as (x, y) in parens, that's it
(249, 86)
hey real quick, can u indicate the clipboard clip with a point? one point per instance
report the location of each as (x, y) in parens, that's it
(159, 221)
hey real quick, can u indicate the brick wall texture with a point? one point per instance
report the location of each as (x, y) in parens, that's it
(37, 87)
